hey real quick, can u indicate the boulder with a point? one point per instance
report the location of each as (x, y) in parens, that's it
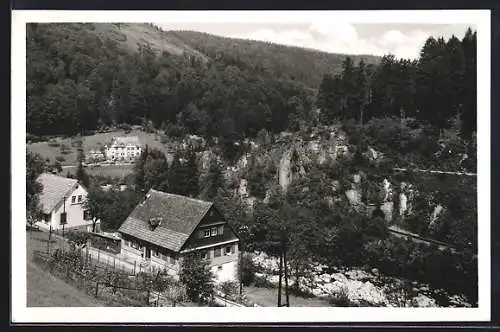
(317, 292)
(357, 275)
(459, 301)
(340, 277)
(423, 301)
(325, 278)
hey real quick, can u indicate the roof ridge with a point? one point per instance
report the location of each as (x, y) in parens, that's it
(58, 176)
(181, 196)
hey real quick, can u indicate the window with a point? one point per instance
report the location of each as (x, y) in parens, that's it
(220, 231)
(79, 198)
(213, 231)
(217, 252)
(228, 250)
(156, 253)
(206, 233)
(205, 254)
(73, 199)
(172, 260)
(86, 215)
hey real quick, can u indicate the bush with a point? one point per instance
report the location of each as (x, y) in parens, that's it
(247, 270)
(262, 282)
(173, 130)
(53, 143)
(125, 127)
(30, 138)
(164, 139)
(65, 149)
(229, 288)
(340, 299)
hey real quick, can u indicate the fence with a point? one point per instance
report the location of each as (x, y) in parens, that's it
(226, 303)
(110, 285)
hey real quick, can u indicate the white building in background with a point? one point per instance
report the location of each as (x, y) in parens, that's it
(126, 148)
(62, 202)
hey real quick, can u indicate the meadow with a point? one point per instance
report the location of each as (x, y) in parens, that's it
(66, 146)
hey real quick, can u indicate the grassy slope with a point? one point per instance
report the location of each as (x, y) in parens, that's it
(44, 289)
(92, 142)
(268, 297)
(131, 35)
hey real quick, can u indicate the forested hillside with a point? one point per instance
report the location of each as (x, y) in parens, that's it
(307, 140)
(269, 59)
(165, 80)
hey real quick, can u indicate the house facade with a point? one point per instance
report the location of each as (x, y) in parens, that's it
(126, 148)
(165, 227)
(62, 201)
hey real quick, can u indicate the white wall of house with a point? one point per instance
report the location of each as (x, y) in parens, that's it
(224, 267)
(136, 253)
(117, 152)
(226, 272)
(73, 206)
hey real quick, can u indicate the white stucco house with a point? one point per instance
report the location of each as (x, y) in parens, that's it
(62, 201)
(126, 148)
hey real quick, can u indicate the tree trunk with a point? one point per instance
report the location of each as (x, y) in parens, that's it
(279, 282)
(286, 278)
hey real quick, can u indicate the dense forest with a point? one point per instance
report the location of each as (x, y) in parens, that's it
(419, 113)
(190, 94)
(183, 93)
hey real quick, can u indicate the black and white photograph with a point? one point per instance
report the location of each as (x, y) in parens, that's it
(215, 166)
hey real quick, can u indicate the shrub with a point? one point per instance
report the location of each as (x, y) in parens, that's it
(196, 276)
(53, 143)
(173, 130)
(229, 288)
(262, 282)
(30, 138)
(247, 269)
(60, 159)
(65, 149)
(125, 127)
(164, 139)
(340, 299)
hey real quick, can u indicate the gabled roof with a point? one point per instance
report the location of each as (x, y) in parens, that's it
(180, 216)
(55, 188)
(126, 140)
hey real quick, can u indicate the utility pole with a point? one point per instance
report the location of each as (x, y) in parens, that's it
(50, 236)
(63, 220)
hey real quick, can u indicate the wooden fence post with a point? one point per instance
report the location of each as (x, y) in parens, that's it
(135, 262)
(96, 288)
(98, 252)
(113, 263)
(87, 255)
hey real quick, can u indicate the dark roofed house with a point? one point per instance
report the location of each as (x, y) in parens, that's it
(164, 227)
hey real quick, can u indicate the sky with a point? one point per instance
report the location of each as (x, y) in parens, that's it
(400, 39)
